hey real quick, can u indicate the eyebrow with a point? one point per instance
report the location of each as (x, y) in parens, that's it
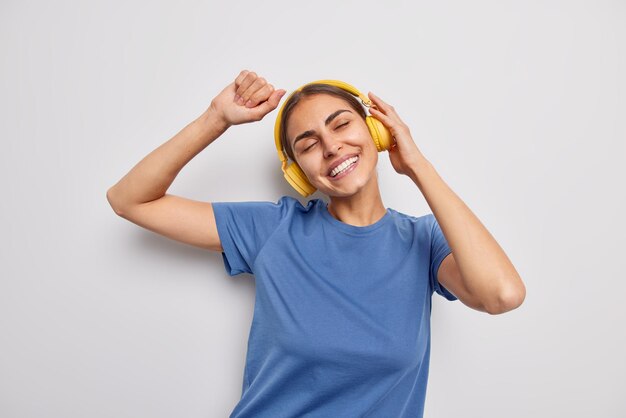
(312, 132)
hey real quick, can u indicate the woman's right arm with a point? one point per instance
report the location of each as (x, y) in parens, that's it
(140, 196)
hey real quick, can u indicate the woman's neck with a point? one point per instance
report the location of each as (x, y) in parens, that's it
(361, 209)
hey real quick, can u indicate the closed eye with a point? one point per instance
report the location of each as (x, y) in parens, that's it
(313, 144)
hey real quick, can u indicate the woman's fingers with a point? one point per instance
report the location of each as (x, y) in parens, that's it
(251, 86)
(385, 109)
(271, 103)
(260, 95)
(254, 88)
(380, 109)
(378, 102)
(242, 75)
(249, 98)
(387, 115)
(244, 81)
(381, 116)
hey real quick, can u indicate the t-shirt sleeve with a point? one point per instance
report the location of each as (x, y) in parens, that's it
(439, 249)
(244, 228)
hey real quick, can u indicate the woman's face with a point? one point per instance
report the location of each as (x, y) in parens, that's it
(324, 130)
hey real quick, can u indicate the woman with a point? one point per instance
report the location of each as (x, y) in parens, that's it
(342, 315)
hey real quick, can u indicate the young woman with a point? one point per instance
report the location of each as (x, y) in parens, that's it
(342, 313)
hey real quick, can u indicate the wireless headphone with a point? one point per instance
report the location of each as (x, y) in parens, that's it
(292, 171)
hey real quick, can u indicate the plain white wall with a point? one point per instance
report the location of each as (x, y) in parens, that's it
(519, 105)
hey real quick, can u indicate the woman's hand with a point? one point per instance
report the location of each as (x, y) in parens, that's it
(249, 98)
(404, 154)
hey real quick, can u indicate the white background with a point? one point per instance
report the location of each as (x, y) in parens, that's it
(520, 106)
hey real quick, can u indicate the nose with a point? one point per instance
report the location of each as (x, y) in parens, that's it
(331, 147)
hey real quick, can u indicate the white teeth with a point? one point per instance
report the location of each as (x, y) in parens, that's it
(343, 166)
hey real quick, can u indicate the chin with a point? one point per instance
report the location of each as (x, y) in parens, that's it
(346, 189)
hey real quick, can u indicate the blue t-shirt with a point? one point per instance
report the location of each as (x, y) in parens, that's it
(341, 324)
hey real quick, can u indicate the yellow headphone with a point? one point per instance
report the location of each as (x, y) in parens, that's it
(292, 171)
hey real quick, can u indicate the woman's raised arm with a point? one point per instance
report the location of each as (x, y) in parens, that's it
(140, 196)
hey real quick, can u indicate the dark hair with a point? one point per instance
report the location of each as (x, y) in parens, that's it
(311, 90)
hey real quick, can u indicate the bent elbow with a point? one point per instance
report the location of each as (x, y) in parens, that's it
(507, 301)
(111, 199)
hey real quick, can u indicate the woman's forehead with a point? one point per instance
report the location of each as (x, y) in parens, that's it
(320, 99)
(314, 109)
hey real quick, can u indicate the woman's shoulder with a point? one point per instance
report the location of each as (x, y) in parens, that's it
(425, 218)
(423, 222)
(302, 205)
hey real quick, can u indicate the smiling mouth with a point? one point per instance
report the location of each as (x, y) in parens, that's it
(344, 167)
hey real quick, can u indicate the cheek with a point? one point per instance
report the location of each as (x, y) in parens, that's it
(305, 166)
(372, 151)
(369, 143)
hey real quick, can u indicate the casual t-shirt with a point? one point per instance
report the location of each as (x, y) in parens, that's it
(341, 324)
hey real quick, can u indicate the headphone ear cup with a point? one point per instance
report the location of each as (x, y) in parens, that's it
(380, 134)
(296, 177)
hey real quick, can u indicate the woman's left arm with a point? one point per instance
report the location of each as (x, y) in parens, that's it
(478, 271)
